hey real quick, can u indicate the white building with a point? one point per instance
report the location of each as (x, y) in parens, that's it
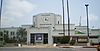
(48, 26)
(45, 27)
(10, 31)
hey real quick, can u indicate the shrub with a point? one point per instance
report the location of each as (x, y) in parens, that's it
(1, 46)
(64, 39)
(72, 42)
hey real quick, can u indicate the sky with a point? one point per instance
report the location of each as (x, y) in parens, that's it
(20, 12)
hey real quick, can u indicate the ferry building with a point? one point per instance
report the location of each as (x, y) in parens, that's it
(48, 26)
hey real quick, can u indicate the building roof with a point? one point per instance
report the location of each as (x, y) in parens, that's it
(46, 14)
(95, 29)
(9, 27)
(80, 26)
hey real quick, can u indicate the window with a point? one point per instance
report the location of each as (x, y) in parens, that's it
(45, 24)
(58, 22)
(1, 39)
(39, 37)
(61, 33)
(12, 33)
(6, 32)
(1, 33)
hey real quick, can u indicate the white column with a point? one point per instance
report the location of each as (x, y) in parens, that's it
(50, 39)
(28, 38)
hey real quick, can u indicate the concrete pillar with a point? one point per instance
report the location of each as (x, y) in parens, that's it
(28, 38)
(50, 38)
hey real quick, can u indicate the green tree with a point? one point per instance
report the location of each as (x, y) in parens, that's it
(1, 39)
(21, 35)
(6, 38)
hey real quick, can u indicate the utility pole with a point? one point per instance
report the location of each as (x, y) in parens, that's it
(68, 19)
(87, 21)
(0, 13)
(2, 41)
(63, 17)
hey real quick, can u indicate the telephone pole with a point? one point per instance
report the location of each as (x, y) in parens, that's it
(68, 19)
(63, 17)
(0, 12)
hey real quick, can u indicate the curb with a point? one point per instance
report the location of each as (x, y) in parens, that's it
(77, 47)
(53, 47)
(90, 47)
(65, 47)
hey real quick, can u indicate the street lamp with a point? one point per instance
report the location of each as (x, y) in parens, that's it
(87, 21)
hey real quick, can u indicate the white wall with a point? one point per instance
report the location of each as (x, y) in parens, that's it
(95, 32)
(60, 33)
(26, 26)
(46, 19)
(11, 29)
(38, 30)
(82, 29)
(60, 26)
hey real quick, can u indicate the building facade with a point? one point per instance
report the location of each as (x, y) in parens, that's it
(10, 31)
(48, 26)
(1, 38)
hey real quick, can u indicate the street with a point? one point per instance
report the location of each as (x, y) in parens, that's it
(48, 49)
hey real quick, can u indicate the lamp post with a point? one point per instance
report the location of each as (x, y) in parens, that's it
(63, 18)
(87, 21)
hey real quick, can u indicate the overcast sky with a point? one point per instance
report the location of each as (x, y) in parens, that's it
(20, 12)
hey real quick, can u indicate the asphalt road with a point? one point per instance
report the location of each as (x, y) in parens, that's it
(48, 49)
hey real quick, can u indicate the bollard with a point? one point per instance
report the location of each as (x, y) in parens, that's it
(54, 45)
(19, 45)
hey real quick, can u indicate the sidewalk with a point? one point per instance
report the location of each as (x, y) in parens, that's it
(51, 46)
(39, 46)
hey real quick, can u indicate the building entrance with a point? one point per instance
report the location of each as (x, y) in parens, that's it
(39, 38)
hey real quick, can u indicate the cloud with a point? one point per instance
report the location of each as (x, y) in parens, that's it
(16, 9)
(92, 17)
(6, 21)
